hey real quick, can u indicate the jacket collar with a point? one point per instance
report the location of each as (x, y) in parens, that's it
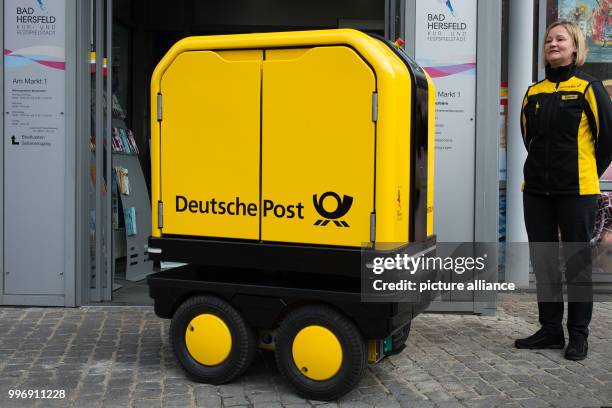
(560, 74)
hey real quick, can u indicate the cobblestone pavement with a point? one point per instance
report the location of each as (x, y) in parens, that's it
(119, 357)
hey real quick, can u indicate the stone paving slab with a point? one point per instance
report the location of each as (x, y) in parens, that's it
(120, 357)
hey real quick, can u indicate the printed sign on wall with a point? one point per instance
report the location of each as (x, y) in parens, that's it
(34, 145)
(446, 48)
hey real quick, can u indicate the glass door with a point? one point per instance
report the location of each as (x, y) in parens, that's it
(101, 265)
(396, 20)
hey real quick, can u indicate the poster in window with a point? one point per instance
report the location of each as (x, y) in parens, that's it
(594, 17)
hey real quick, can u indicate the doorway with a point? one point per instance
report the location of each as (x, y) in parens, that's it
(128, 38)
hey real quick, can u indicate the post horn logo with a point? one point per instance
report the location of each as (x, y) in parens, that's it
(343, 207)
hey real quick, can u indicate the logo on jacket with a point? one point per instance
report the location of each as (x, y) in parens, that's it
(342, 208)
(41, 4)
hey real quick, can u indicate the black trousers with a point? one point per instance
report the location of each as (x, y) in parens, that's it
(574, 217)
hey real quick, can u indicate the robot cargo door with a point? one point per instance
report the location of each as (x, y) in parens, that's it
(210, 143)
(318, 146)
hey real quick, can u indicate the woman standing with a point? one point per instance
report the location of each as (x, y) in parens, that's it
(566, 123)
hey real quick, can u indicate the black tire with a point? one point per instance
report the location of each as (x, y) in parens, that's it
(399, 339)
(243, 340)
(354, 352)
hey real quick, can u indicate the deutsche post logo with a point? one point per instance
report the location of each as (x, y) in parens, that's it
(342, 208)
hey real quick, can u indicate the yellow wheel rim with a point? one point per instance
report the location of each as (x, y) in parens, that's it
(208, 340)
(317, 353)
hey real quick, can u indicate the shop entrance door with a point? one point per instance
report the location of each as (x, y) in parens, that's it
(97, 278)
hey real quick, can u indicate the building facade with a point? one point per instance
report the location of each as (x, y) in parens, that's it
(75, 86)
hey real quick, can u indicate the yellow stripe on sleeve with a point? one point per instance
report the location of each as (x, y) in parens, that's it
(590, 98)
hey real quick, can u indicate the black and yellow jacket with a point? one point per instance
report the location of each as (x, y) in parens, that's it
(566, 122)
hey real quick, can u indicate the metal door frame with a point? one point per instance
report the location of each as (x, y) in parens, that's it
(102, 45)
(2, 157)
(90, 38)
(391, 28)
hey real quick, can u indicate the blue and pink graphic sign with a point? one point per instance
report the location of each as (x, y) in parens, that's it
(440, 71)
(448, 4)
(47, 56)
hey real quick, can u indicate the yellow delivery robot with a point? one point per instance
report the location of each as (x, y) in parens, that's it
(277, 160)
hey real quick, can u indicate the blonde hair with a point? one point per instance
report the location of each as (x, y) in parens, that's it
(576, 35)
